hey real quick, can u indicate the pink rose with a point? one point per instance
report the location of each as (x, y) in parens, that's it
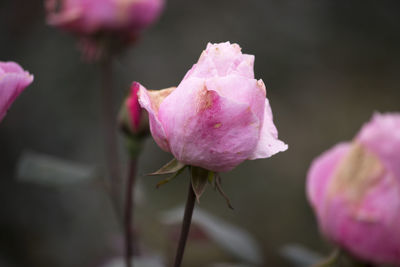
(218, 116)
(354, 189)
(124, 18)
(13, 80)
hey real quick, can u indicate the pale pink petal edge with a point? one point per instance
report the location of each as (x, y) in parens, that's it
(268, 144)
(156, 128)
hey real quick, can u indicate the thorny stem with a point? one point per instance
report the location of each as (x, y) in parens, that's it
(187, 219)
(129, 197)
(110, 138)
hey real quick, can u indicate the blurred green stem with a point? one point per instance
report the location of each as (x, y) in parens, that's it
(110, 127)
(129, 198)
(187, 220)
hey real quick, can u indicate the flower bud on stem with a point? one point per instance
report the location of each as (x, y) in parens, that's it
(187, 219)
(133, 123)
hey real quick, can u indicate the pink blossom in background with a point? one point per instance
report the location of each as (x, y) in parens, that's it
(218, 116)
(13, 80)
(354, 189)
(122, 18)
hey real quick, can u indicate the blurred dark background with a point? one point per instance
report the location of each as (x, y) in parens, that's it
(328, 65)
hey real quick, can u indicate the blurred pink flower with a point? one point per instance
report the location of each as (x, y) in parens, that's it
(87, 17)
(218, 116)
(101, 22)
(354, 189)
(13, 80)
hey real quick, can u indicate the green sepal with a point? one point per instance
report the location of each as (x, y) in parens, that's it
(162, 182)
(199, 178)
(218, 186)
(210, 177)
(171, 167)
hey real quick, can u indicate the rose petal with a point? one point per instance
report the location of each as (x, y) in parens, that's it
(11, 67)
(321, 172)
(241, 90)
(382, 136)
(268, 144)
(245, 67)
(151, 100)
(206, 129)
(13, 80)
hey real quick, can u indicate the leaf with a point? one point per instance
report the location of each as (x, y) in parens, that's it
(48, 170)
(162, 182)
(199, 177)
(219, 188)
(171, 167)
(299, 255)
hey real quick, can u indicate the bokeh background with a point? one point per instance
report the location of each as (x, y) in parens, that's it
(328, 66)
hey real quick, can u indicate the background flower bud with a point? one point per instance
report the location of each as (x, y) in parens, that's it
(218, 116)
(13, 80)
(354, 188)
(133, 120)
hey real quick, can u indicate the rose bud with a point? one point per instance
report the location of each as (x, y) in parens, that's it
(218, 116)
(13, 80)
(119, 21)
(354, 189)
(133, 120)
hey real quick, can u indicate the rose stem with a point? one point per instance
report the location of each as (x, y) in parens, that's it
(129, 197)
(109, 128)
(187, 219)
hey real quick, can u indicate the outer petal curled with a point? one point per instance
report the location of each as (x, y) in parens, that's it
(268, 144)
(151, 100)
(13, 80)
